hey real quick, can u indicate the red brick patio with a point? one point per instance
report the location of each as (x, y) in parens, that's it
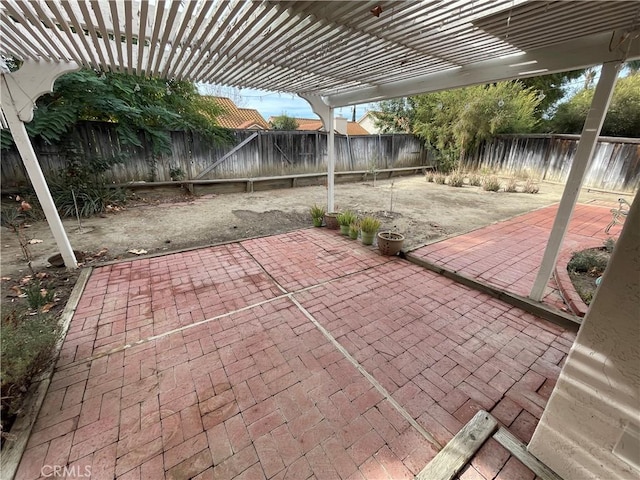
(508, 254)
(302, 355)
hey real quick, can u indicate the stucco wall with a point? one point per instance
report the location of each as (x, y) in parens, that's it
(598, 392)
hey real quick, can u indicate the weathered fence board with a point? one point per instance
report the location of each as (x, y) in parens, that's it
(270, 153)
(615, 164)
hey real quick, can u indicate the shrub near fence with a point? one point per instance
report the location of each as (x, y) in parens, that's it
(266, 153)
(615, 165)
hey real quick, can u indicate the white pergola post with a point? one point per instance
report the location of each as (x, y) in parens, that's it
(325, 113)
(584, 153)
(19, 91)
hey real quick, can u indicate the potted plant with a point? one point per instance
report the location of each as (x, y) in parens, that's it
(317, 215)
(369, 226)
(345, 219)
(354, 230)
(331, 220)
(390, 242)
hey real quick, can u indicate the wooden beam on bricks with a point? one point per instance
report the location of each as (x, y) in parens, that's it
(459, 451)
(519, 450)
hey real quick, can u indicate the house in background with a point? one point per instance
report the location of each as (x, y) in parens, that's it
(343, 126)
(239, 118)
(368, 122)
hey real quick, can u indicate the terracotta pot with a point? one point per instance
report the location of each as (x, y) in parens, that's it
(331, 220)
(390, 243)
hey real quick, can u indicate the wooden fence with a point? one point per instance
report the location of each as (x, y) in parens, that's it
(264, 153)
(615, 165)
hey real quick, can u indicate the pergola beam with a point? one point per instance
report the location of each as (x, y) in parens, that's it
(576, 54)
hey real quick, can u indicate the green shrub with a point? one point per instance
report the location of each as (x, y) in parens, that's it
(456, 179)
(369, 224)
(531, 187)
(511, 186)
(81, 187)
(609, 245)
(589, 261)
(28, 343)
(317, 211)
(440, 178)
(346, 218)
(475, 180)
(38, 295)
(491, 184)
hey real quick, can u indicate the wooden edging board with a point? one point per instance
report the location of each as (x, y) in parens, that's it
(459, 451)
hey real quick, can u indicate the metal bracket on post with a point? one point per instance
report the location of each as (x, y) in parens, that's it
(19, 91)
(325, 112)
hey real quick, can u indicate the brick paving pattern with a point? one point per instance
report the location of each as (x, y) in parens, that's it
(508, 254)
(208, 364)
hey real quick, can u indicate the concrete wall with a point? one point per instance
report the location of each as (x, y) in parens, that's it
(598, 393)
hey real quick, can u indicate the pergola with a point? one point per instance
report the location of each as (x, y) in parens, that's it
(331, 53)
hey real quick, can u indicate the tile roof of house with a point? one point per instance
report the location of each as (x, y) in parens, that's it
(353, 128)
(239, 118)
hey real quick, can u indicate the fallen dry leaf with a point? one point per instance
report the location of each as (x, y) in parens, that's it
(15, 291)
(42, 275)
(47, 307)
(4, 279)
(25, 280)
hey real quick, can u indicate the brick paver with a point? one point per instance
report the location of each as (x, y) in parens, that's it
(507, 254)
(199, 365)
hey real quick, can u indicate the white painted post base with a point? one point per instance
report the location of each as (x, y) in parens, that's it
(584, 153)
(19, 91)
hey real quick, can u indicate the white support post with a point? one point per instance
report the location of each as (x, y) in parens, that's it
(19, 91)
(325, 113)
(584, 153)
(331, 162)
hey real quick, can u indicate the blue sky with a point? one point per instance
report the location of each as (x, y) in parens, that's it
(272, 104)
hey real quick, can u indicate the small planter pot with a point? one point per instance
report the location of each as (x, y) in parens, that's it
(390, 243)
(367, 238)
(331, 220)
(344, 229)
(353, 233)
(317, 222)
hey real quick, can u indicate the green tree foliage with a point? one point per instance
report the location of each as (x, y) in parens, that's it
(150, 107)
(623, 116)
(456, 121)
(550, 88)
(396, 116)
(283, 122)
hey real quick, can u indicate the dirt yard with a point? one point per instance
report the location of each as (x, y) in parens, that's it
(422, 211)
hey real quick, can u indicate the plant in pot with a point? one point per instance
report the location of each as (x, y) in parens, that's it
(345, 219)
(390, 242)
(354, 230)
(369, 226)
(317, 215)
(331, 220)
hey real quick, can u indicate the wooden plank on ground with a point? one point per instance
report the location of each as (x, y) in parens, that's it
(457, 453)
(519, 450)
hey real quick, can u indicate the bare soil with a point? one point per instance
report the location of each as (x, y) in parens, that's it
(423, 211)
